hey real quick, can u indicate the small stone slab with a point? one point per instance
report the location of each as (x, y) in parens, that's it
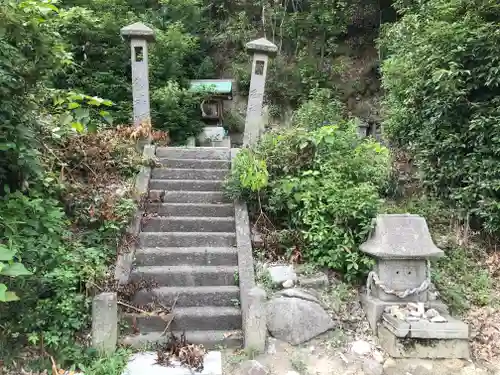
(280, 274)
(318, 281)
(424, 329)
(298, 293)
(145, 364)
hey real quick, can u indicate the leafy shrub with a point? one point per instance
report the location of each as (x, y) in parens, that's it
(442, 78)
(322, 183)
(177, 110)
(321, 109)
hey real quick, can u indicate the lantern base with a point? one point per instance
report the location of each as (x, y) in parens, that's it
(374, 308)
(422, 348)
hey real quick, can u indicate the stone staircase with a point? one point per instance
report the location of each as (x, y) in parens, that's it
(188, 247)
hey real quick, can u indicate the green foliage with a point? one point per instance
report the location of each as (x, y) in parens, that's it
(321, 109)
(175, 109)
(442, 78)
(321, 183)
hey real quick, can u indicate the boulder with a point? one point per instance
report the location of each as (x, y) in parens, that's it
(296, 320)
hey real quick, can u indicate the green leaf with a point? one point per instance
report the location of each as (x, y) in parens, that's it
(73, 105)
(6, 254)
(78, 126)
(14, 270)
(6, 296)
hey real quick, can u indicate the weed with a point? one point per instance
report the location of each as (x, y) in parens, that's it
(298, 364)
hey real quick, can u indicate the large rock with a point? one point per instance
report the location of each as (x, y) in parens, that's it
(298, 293)
(296, 320)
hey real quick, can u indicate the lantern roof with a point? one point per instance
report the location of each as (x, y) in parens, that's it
(401, 236)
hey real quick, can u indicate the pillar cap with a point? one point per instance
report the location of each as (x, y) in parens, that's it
(138, 31)
(262, 45)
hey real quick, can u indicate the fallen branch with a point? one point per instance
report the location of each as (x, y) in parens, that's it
(173, 315)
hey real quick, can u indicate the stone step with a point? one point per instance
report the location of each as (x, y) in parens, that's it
(195, 163)
(204, 318)
(205, 153)
(189, 224)
(157, 196)
(191, 296)
(192, 209)
(195, 256)
(186, 275)
(186, 185)
(187, 239)
(188, 174)
(209, 339)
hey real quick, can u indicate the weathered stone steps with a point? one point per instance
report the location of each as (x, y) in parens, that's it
(203, 318)
(209, 339)
(188, 196)
(199, 153)
(186, 185)
(188, 174)
(187, 239)
(187, 247)
(186, 275)
(194, 256)
(191, 296)
(195, 163)
(192, 209)
(189, 224)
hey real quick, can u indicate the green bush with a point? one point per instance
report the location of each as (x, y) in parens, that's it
(321, 109)
(177, 110)
(323, 184)
(442, 79)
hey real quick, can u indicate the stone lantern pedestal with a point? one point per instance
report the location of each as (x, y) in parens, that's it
(398, 303)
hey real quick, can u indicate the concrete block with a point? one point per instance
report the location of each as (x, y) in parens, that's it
(256, 323)
(105, 322)
(145, 364)
(422, 348)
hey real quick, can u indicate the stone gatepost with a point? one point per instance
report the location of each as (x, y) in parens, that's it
(254, 126)
(105, 322)
(139, 36)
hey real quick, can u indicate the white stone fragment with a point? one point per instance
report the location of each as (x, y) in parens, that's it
(145, 364)
(287, 284)
(439, 319)
(361, 347)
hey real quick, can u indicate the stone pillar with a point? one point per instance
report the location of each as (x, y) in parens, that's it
(256, 320)
(105, 322)
(254, 124)
(139, 36)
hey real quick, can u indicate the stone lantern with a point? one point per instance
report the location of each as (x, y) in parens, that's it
(261, 50)
(402, 247)
(398, 303)
(139, 36)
